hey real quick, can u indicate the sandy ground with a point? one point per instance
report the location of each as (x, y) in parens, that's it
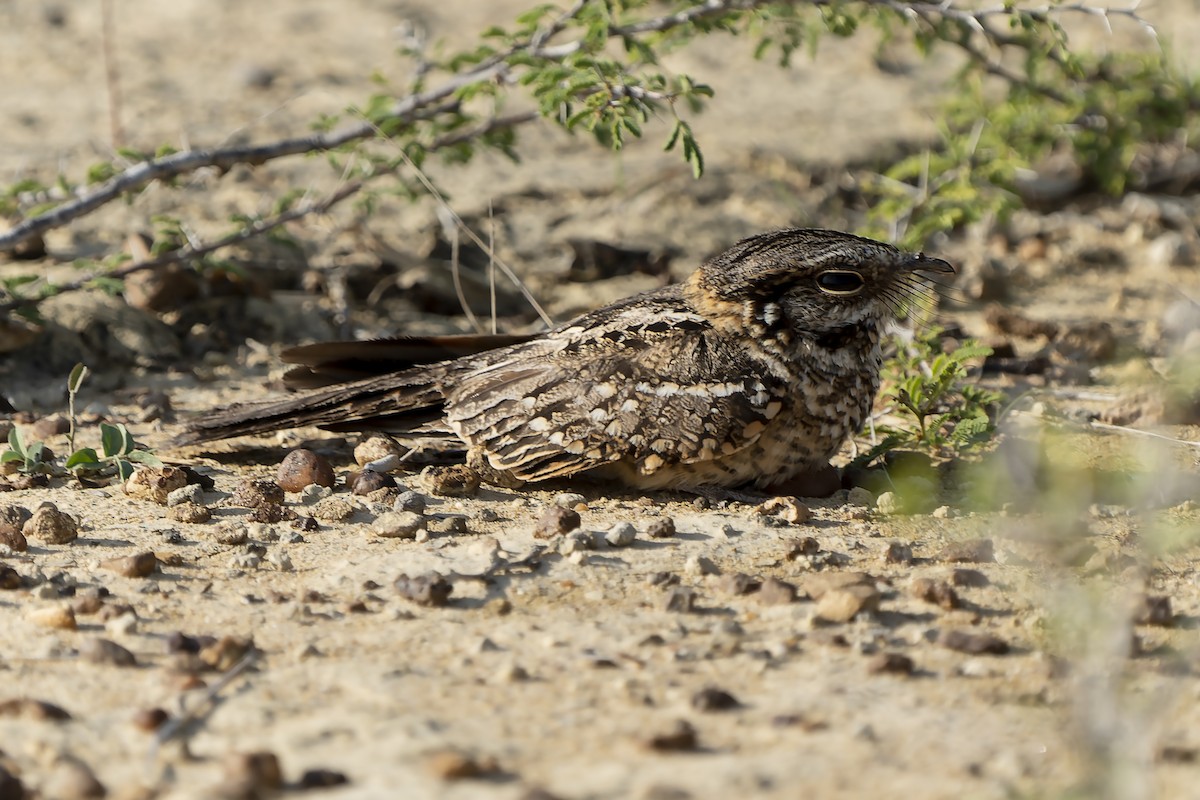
(555, 679)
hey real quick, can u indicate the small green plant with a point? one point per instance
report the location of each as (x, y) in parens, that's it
(118, 449)
(940, 409)
(118, 453)
(30, 458)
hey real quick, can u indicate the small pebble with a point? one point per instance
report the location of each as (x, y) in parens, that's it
(845, 603)
(280, 560)
(887, 503)
(800, 548)
(940, 593)
(447, 524)
(72, 779)
(410, 501)
(256, 773)
(429, 589)
(568, 499)
(10, 579)
(894, 663)
(577, 542)
(451, 764)
(122, 625)
(301, 524)
(661, 528)
(301, 468)
(103, 651)
(898, 553)
(622, 534)
(322, 779)
(373, 448)
(190, 493)
(680, 599)
(789, 509)
(713, 699)
(556, 521)
(775, 592)
(11, 787)
(972, 578)
(314, 493)
(155, 483)
(60, 617)
(149, 719)
(859, 496)
(225, 653)
(1154, 610)
(368, 482)
(36, 710)
(49, 525)
(12, 538)
(700, 565)
(135, 566)
(190, 513)
(457, 480)
(398, 525)
(679, 738)
(738, 583)
(969, 551)
(232, 533)
(973, 643)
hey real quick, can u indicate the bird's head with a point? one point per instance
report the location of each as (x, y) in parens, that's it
(813, 281)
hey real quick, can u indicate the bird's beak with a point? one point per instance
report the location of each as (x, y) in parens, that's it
(923, 263)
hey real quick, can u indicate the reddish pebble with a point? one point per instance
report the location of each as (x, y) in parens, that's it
(301, 468)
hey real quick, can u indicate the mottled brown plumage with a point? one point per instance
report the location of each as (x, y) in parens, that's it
(754, 370)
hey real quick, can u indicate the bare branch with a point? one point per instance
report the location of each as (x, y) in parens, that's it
(262, 226)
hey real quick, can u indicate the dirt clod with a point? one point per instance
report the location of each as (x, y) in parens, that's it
(190, 513)
(398, 525)
(969, 551)
(51, 526)
(104, 651)
(155, 483)
(556, 521)
(973, 643)
(775, 592)
(1154, 610)
(429, 589)
(789, 509)
(940, 593)
(661, 528)
(457, 480)
(893, 663)
(257, 772)
(680, 737)
(257, 492)
(36, 710)
(714, 699)
(135, 566)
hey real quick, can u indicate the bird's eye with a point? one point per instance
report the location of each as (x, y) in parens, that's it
(840, 281)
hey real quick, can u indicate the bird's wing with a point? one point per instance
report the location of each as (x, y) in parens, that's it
(651, 390)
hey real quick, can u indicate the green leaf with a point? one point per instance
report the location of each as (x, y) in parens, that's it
(112, 439)
(10, 455)
(75, 379)
(86, 457)
(124, 469)
(16, 442)
(145, 457)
